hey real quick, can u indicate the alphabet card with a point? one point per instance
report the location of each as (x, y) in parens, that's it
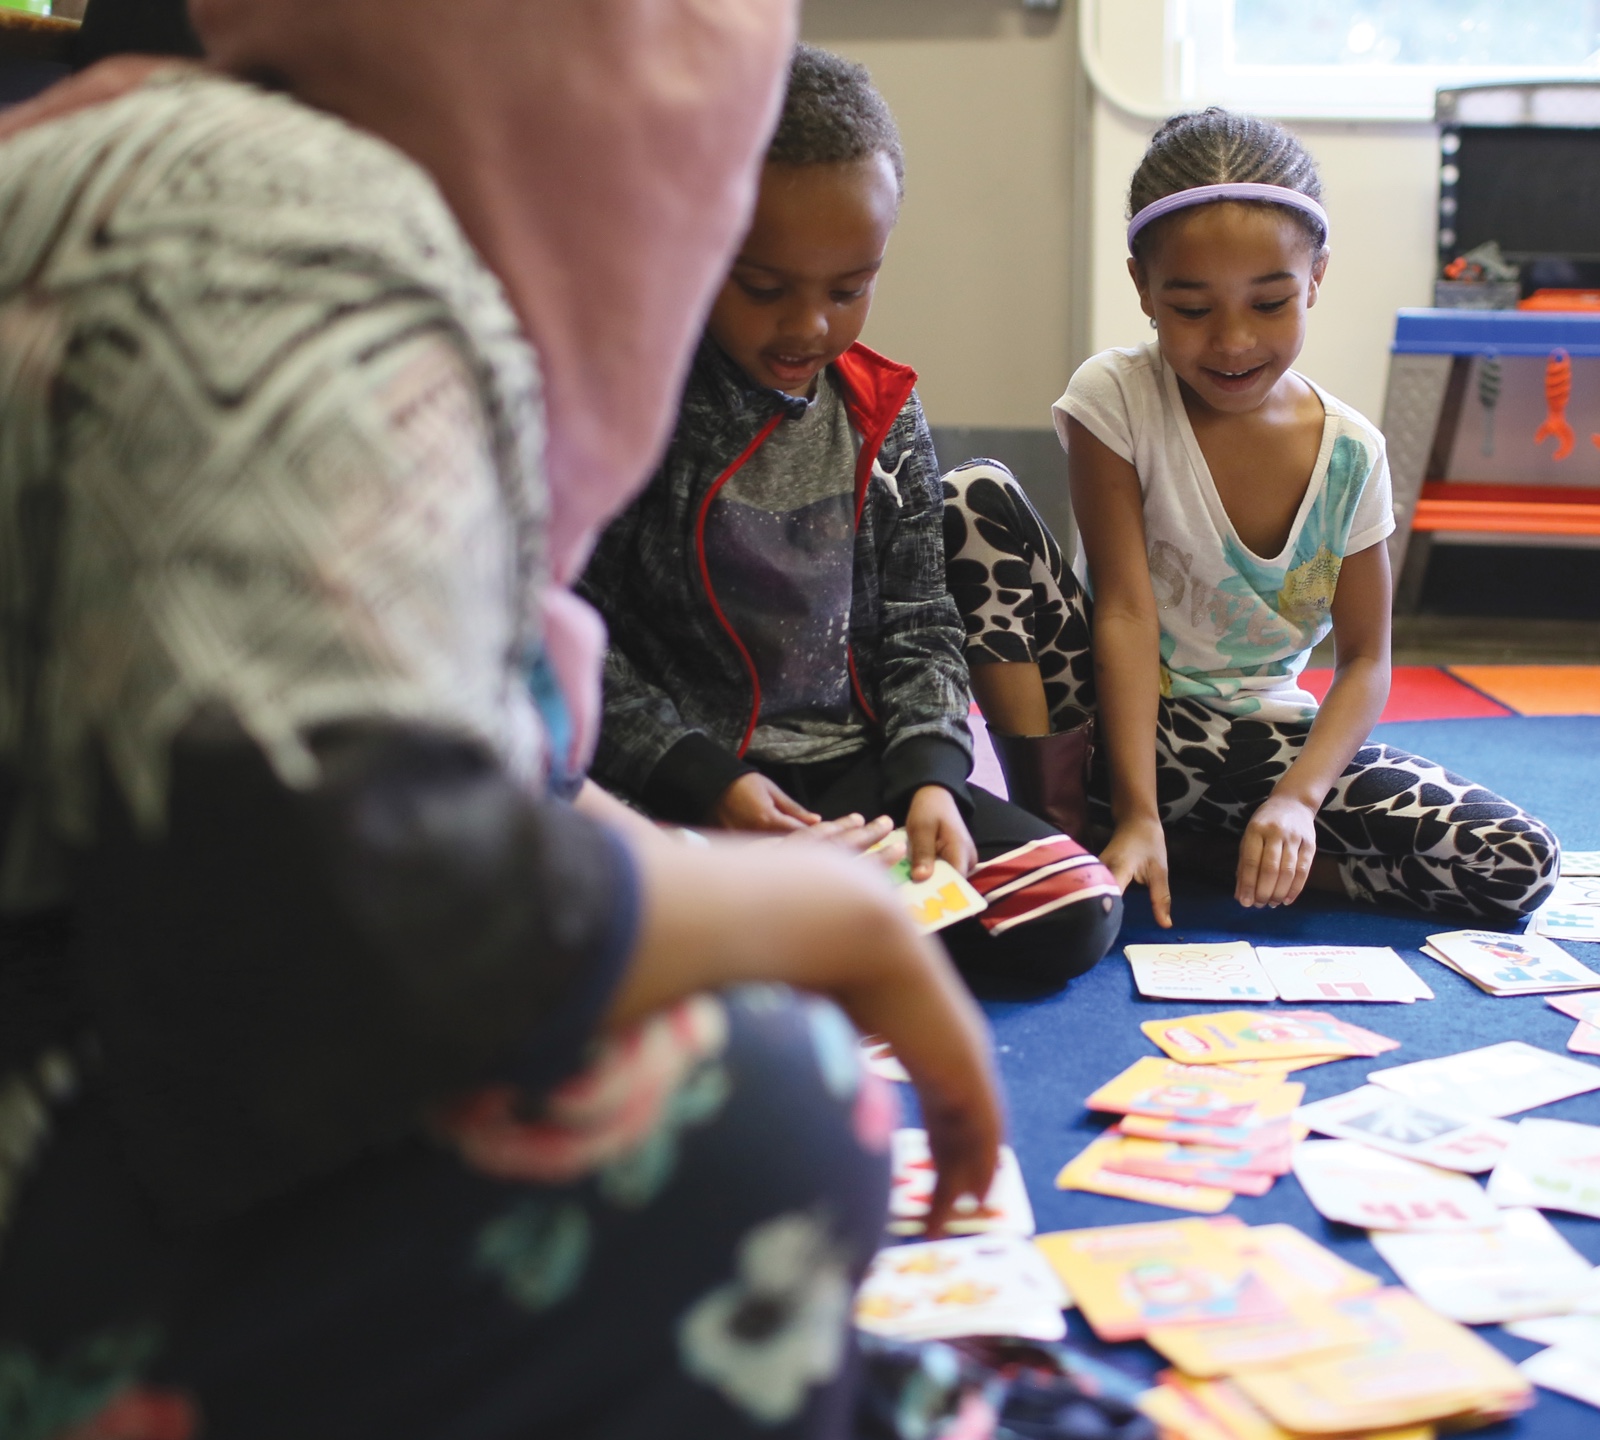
(1580, 862)
(1495, 1080)
(1553, 1164)
(1341, 973)
(912, 1174)
(940, 900)
(1128, 1278)
(1521, 1268)
(1224, 1037)
(976, 1285)
(1428, 1133)
(1511, 964)
(1169, 1091)
(1573, 910)
(1227, 971)
(1358, 1186)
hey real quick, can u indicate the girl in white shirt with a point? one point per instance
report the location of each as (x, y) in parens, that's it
(1231, 512)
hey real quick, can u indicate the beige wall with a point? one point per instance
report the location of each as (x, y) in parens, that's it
(991, 293)
(978, 289)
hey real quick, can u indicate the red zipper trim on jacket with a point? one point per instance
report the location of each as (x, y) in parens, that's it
(854, 368)
(705, 574)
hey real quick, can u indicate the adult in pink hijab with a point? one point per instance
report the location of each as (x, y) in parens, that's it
(366, 1088)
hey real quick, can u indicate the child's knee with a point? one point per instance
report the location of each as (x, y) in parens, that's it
(1511, 868)
(1043, 954)
(977, 475)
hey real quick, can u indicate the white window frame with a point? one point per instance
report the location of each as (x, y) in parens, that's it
(1199, 69)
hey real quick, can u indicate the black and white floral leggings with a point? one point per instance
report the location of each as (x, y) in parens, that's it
(1402, 828)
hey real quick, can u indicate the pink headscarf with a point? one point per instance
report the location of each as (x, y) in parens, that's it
(602, 156)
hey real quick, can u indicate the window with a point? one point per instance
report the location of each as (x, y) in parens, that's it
(1375, 59)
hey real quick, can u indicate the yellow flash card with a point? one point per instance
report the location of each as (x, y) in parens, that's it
(1229, 1036)
(1087, 1171)
(1295, 1264)
(940, 900)
(1314, 1327)
(1416, 1367)
(1153, 1086)
(1127, 1278)
(1178, 1415)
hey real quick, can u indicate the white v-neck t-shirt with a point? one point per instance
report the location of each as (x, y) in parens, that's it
(1236, 627)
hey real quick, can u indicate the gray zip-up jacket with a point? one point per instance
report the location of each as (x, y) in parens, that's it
(682, 698)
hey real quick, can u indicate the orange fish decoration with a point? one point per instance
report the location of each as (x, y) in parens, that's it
(1557, 391)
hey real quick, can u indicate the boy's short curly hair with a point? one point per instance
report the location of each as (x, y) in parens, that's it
(833, 114)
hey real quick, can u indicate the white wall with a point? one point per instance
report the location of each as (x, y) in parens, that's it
(977, 292)
(998, 281)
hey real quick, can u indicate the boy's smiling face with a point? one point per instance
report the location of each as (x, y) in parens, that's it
(800, 291)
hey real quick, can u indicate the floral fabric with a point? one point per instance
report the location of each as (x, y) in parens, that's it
(645, 1253)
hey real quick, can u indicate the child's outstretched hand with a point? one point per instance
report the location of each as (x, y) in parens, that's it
(935, 830)
(1137, 853)
(1275, 855)
(753, 802)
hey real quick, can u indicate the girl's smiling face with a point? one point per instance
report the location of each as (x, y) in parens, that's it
(1228, 286)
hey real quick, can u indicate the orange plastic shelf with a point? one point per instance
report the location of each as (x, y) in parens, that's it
(1509, 509)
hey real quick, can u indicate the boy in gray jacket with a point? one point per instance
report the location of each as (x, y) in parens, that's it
(784, 647)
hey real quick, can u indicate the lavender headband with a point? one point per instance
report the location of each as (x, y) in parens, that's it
(1209, 194)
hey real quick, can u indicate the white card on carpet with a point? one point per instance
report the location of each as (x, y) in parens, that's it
(947, 1289)
(1572, 912)
(1580, 862)
(1561, 1370)
(1356, 1185)
(1576, 1334)
(1521, 1269)
(1432, 1134)
(1495, 1080)
(1340, 973)
(1224, 971)
(1553, 1164)
(1005, 1208)
(1512, 964)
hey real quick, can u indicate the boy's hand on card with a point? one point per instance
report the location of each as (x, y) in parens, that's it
(936, 831)
(1275, 855)
(854, 833)
(753, 802)
(1137, 854)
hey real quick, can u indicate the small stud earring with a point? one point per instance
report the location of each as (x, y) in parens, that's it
(1152, 322)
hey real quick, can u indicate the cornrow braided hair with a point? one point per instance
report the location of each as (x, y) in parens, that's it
(1220, 147)
(832, 114)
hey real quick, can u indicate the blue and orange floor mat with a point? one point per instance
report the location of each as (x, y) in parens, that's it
(1481, 692)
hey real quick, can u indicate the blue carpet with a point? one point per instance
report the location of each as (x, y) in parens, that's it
(1054, 1051)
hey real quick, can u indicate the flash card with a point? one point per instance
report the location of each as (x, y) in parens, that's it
(977, 1285)
(1351, 1183)
(1512, 964)
(940, 900)
(1004, 1209)
(1199, 972)
(1428, 1133)
(1553, 1164)
(1483, 1277)
(1496, 1080)
(1341, 973)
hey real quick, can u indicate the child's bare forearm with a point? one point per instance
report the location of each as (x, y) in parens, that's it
(1344, 721)
(1127, 668)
